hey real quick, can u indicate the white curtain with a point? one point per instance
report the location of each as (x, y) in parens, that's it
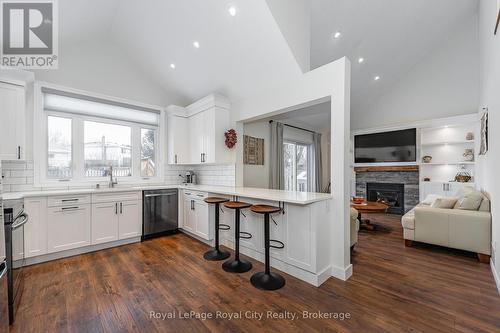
(276, 172)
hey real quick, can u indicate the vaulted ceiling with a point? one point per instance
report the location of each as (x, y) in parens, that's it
(241, 55)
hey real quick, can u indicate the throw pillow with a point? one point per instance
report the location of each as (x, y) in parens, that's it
(430, 199)
(446, 203)
(470, 201)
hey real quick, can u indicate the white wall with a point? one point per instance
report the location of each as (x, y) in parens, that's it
(329, 82)
(490, 97)
(101, 67)
(258, 175)
(445, 83)
(294, 21)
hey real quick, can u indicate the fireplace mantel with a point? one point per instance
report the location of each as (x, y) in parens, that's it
(379, 168)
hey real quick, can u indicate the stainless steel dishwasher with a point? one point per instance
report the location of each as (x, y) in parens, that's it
(159, 213)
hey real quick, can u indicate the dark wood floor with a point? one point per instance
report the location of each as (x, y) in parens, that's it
(394, 289)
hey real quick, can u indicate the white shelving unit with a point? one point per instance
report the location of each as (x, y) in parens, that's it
(446, 145)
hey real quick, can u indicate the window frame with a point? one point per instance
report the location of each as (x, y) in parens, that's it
(40, 137)
(310, 163)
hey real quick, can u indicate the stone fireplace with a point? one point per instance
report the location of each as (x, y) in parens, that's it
(397, 185)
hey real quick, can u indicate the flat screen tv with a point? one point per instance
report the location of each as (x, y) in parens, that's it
(386, 147)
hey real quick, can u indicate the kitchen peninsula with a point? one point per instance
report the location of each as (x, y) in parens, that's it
(303, 225)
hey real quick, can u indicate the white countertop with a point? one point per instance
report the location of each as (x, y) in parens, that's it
(299, 198)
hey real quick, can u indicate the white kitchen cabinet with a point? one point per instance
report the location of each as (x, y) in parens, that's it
(116, 216)
(129, 221)
(178, 140)
(197, 132)
(202, 220)
(189, 221)
(104, 222)
(68, 227)
(12, 118)
(196, 217)
(35, 230)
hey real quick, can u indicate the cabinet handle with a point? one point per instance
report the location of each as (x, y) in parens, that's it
(175, 159)
(116, 208)
(18, 152)
(69, 208)
(203, 157)
(69, 200)
(121, 207)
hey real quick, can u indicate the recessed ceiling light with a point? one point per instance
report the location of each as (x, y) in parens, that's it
(376, 78)
(196, 44)
(232, 10)
(337, 35)
(172, 66)
(361, 60)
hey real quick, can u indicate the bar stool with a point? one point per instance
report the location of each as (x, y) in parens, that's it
(237, 265)
(267, 280)
(217, 254)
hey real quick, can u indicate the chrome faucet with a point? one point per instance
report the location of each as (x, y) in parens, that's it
(112, 182)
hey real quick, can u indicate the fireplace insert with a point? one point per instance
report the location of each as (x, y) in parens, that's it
(390, 193)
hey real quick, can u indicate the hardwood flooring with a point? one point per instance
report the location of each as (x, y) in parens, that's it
(393, 289)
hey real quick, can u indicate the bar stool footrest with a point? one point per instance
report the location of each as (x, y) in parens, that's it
(245, 235)
(280, 245)
(224, 227)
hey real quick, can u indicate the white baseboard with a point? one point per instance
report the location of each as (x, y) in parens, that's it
(495, 275)
(80, 250)
(342, 273)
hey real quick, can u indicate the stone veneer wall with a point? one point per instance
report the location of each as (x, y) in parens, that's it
(409, 178)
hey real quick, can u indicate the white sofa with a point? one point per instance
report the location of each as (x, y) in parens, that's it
(468, 230)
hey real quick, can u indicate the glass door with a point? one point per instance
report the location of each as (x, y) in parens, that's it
(296, 166)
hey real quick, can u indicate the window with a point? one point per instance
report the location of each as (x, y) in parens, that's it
(86, 136)
(148, 167)
(107, 145)
(59, 147)
(297, 167)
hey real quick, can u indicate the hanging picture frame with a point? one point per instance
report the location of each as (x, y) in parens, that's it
(483, 148)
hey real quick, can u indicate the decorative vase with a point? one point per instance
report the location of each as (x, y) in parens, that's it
(468, 155)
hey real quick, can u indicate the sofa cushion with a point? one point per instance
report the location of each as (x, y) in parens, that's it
(447, 203)
(429, 200)
(471, 200)
(408, 220)
(485, 204)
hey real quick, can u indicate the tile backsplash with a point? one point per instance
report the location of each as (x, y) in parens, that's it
(18, 175)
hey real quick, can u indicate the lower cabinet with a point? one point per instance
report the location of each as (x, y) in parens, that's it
(130, 219)
(196, 218)
(104, 222)
(35, 230)
(112, 221)
(68, 227)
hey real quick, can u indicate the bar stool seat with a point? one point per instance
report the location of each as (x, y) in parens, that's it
(216, 254)
(236, 205)
(237, 265)
(267, 280)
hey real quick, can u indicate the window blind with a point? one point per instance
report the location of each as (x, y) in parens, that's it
(95, 107)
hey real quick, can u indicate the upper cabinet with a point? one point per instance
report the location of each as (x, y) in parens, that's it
(177, 140)
(12, 118)
(196, 134)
